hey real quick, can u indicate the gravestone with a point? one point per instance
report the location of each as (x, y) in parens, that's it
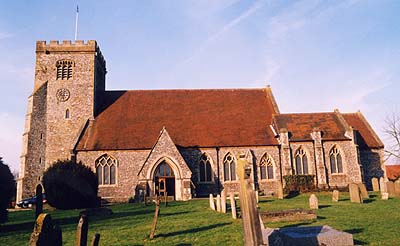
(363, 190)
(382, 184)
(375, 184)
(218, 203)
(355, 194)
(384, 195)
(252, 228)
(95, 240)
(233, 205)
(313, 201)
(390, 189)
(45, 232)
(212, 204)
(82, 231)
(39, 200)
(397, 188)
(335, 196)
(223, 202)
(280, 190)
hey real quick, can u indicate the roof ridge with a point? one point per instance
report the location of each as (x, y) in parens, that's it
(358, 113)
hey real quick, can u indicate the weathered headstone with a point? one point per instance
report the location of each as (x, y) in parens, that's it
(280, 190)
(313, 201)
(363, 190)
(355, 194)
(95, 240)
(257, 195)
(39, 200)
(218, 203)
(252, 229)
(335, 196)
(384, 195)
(397, 188)
(382, 184)
(212, 204)
(390, 189)
(82, 230)
(156, 213)
(375, 184)
(233, 205)
(45, 232)
(223, 202)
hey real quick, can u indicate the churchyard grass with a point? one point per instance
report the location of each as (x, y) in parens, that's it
(375, 222)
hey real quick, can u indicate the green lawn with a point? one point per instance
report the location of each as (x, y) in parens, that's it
(375, 222)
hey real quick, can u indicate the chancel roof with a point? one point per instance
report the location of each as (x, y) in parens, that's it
(193, 118)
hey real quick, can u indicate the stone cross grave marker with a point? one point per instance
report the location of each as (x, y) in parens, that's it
(233, 205)
(313, 201)
(218, 203)
(363, 190)
(45, 232)
(335, 196)
(223, 201)
(39, 200)
(390, 188)
(382, 184)
(156, 213)
(82, 230)
(248, 205)
(355, 194)
(212, 204)
(375, 184)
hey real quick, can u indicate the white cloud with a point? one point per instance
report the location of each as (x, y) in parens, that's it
(5, 35)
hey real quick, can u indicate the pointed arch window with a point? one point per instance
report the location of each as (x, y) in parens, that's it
(336, 160)
(205, 172)
(67, 114)
(266, 167)
(64, 69)
(301, 162)
(106, 167)
(229, 167)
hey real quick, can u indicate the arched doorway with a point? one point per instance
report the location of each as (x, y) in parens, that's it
(164, 180)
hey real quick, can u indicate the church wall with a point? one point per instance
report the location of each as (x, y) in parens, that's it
(309, 149)
(129, 163)
(373, 164)
(351, 170)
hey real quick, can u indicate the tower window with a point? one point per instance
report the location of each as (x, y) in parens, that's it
(64, 69)
(67, 114)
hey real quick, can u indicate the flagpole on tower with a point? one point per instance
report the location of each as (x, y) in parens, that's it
(76, 22)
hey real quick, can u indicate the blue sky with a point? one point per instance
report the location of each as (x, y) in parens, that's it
(316, 55)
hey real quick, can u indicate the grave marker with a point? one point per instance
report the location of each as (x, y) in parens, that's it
(82, 230)
(45, 232)
(95, 240)
(384, 195)
(382, 184)
(390, 188)
(335, 196)
(218, 203)
(375, 184)
(355, 194)
(280, 190)
(156, 213)
(223, 202)
(363, 190)
(313, 202)
(39, 200)
(212, 204)
(397, 188)
(233, 205)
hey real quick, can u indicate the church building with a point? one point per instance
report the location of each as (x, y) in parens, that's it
(182, 142)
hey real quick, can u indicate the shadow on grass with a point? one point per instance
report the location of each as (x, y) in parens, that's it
(368, 200)
(264, 201)
(324, 206)
(171, 214)
(292, 194)
(321, 217)
(193, 230)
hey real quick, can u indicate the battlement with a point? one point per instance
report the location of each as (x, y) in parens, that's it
(68, 46)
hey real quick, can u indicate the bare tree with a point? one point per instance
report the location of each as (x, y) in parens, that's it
(392, 132)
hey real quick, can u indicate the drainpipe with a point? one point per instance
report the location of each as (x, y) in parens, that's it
(218, 182)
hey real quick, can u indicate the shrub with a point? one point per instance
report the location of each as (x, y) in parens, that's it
(7, 189)
(299, 183)
(70, 185)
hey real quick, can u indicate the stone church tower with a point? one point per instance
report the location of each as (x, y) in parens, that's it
(69, 82)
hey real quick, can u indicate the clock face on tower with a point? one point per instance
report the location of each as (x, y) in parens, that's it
(63, 95)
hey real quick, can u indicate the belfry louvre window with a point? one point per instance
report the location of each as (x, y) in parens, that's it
(336, 160)
(266, 167)
(106, 170)
(229, 167)
(64, 69)
(205, 168)
(301, 162)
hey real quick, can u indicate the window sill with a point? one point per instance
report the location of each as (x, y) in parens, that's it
(106, 186)
(206, 182)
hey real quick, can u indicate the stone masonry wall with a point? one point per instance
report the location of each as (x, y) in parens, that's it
(373, 164)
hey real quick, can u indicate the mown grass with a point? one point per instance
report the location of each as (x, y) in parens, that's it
(375, 222)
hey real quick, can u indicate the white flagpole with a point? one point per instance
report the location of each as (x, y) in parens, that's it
(76, 22)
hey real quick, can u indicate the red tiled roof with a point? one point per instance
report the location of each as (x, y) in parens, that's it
(300, 126)
(366, 136)
(392, 171)
(203, 118)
